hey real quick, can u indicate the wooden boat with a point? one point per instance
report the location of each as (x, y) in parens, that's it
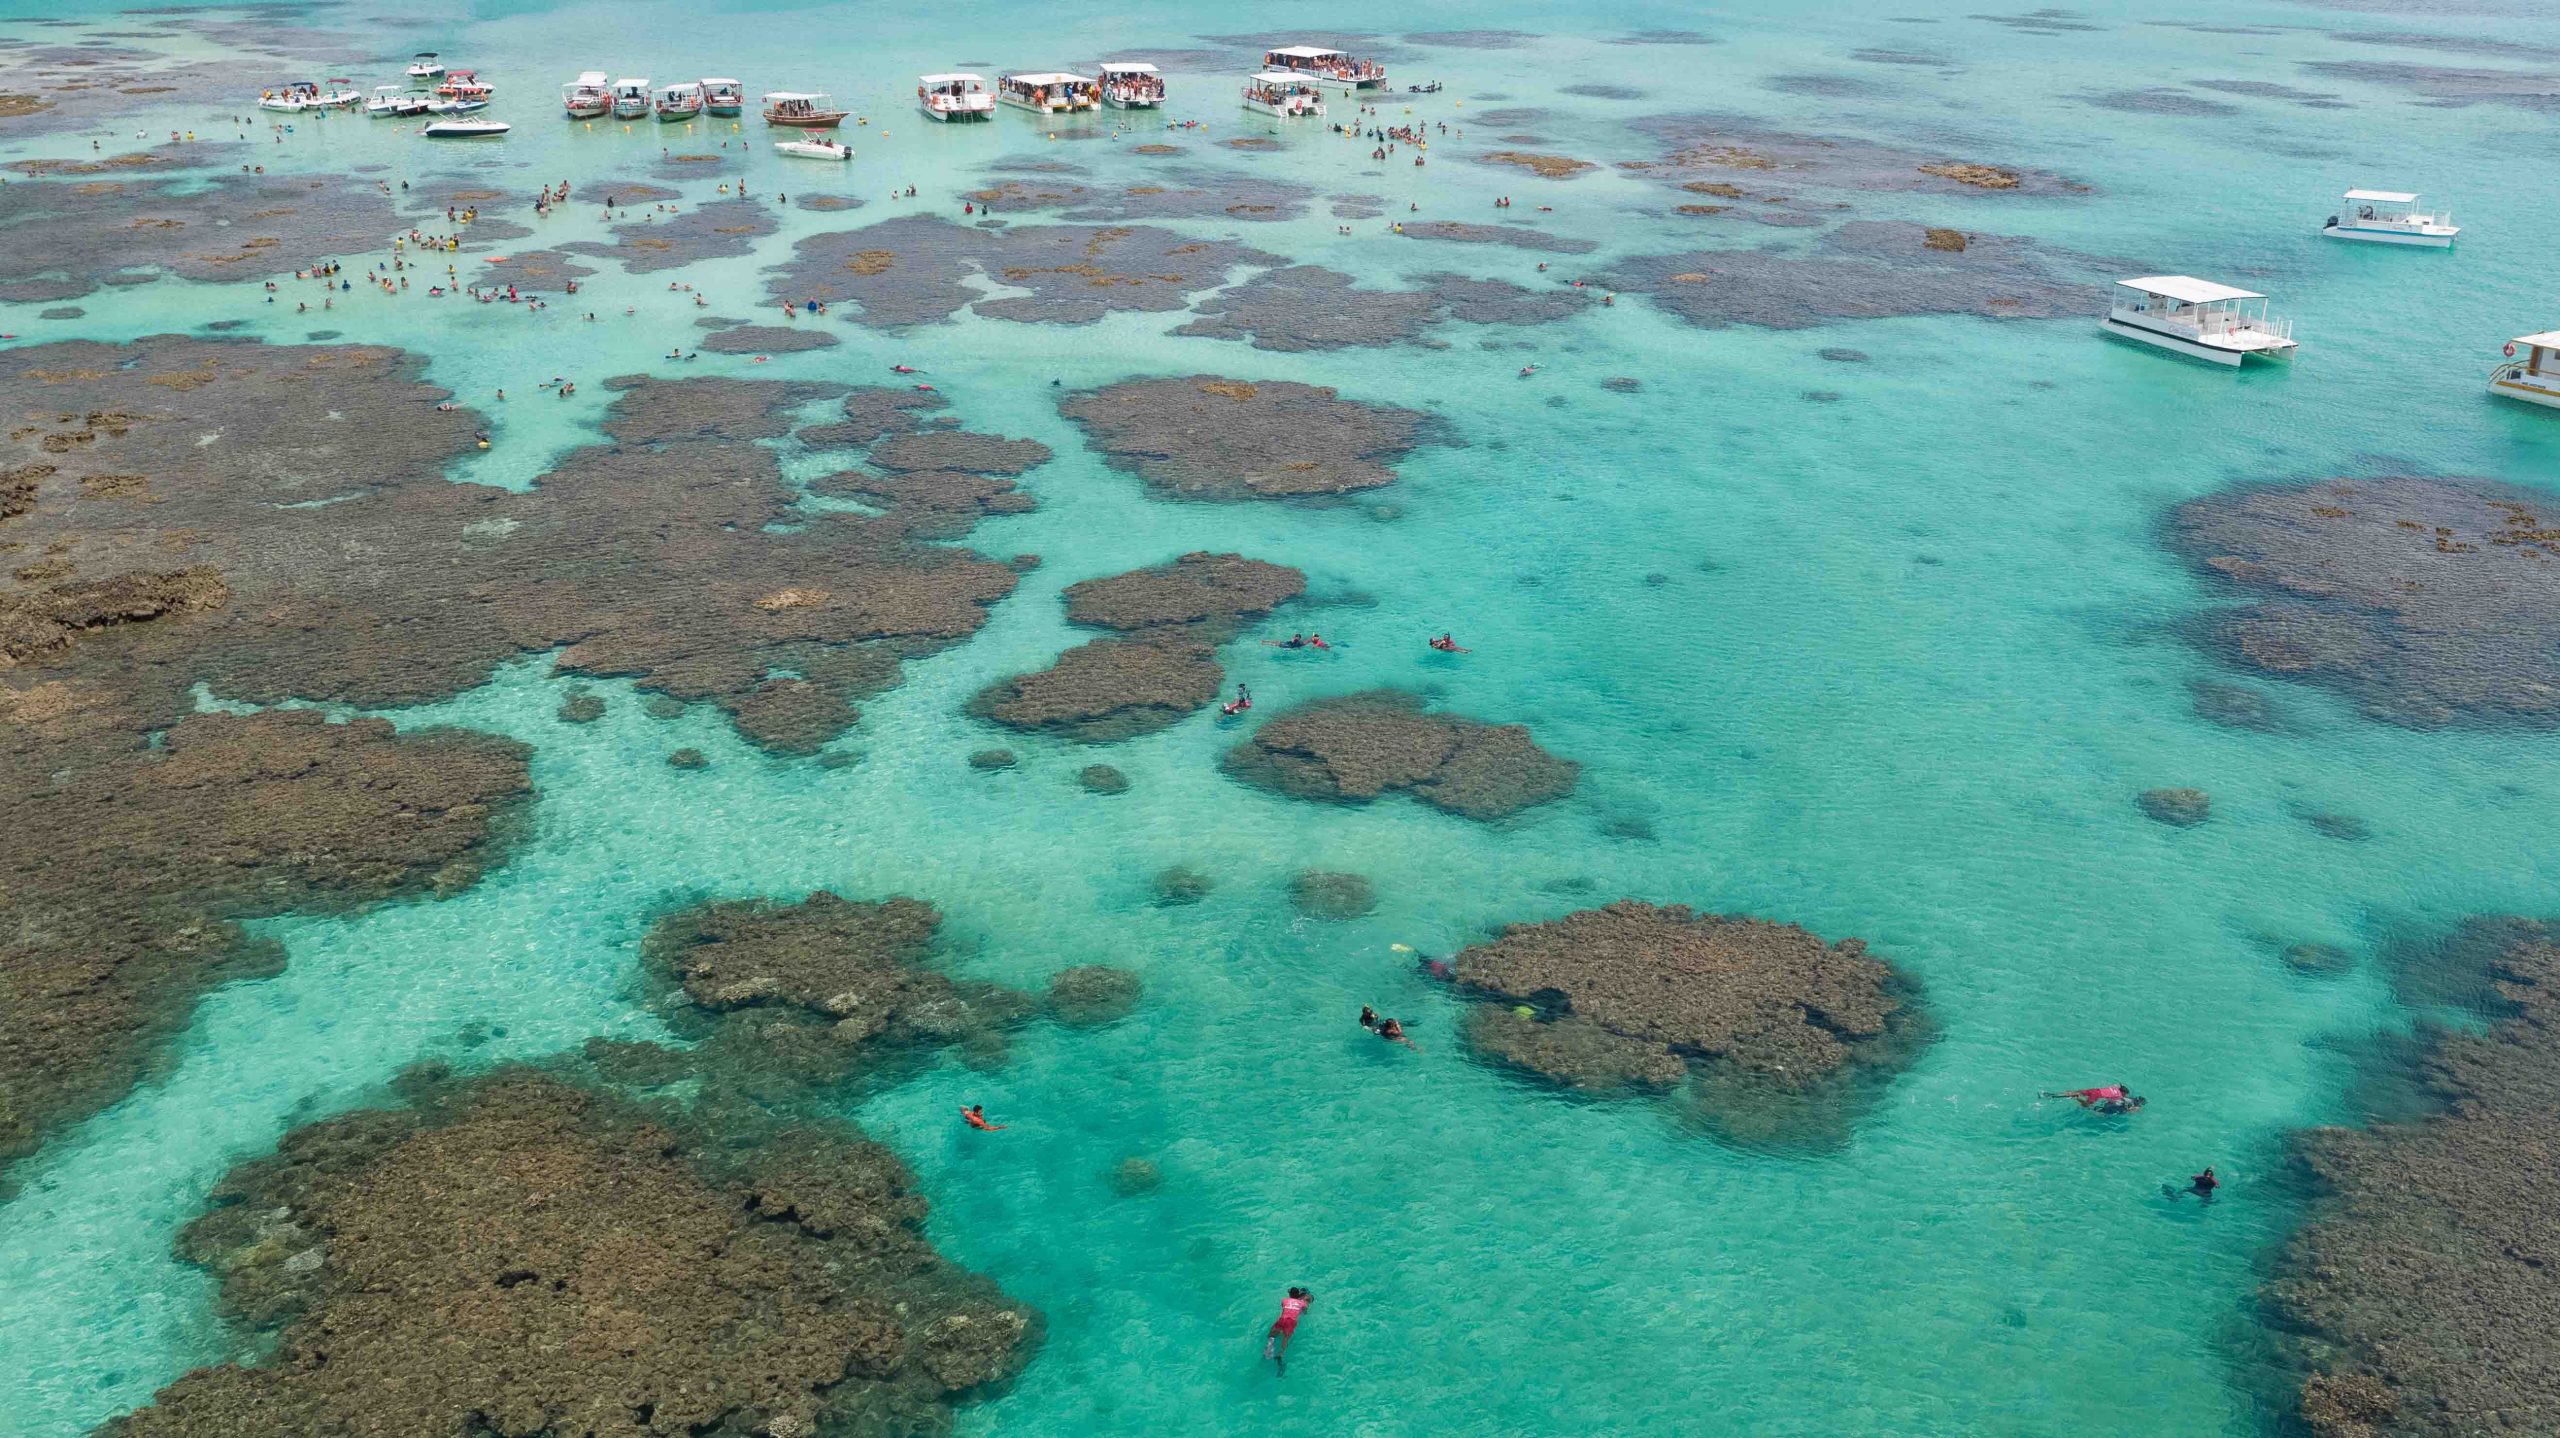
(724, 98)
(802, 110)
(680, 101)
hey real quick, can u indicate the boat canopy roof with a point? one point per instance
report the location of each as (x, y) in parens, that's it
(2189, 289)
(1307, 52)
(2387, 197)
(795, 94)
(1278, 77)
(680, 86)
(1127, 67)
(1047, 77)
(426, 54)
(2547, 340)
(632, 83)
(954, 78)
(722, 83)
(590, 77)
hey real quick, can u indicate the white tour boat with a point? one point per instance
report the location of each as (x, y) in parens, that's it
(1131, 85)
(589, 97)
(395, 102)
(630, 99)
(2389, 217)
(1282, 93)
(815, 149)
(724, 98)
(343, 94)
(2189, 316)
(1326, 67)
(680, 101)
(466, 129)
(802, 110)
(1048, 92)
(301, 95)
(426, 66)
(465, 85)
(956, 96)
(2536, 380)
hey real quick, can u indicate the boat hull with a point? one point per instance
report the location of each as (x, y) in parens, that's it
(675, 117)
(2527, 391)
(1117, 102)
(1277, 112)
(467, 132)
(2182, 345)
(806, 122)
(2418, 240)
(725, 112)
(957, 117)
(1038, 109)
(587, 112)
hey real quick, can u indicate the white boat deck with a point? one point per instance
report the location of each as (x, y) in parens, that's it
(2198, 318)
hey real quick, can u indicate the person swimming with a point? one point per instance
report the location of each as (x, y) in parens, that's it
(1392, 1030)
(2092, 1097)
(976, 1116)
(1448, 644)
(1243, 701)
(1294, 641)
(1368, 1017)
(2202, 1185)
(1275, 1342)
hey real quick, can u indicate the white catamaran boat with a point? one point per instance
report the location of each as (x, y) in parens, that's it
(2389, 217)
(1326, 67)
(395, 102)
(802, 110)
(954, 97)
(680, 101)
(815, 149)
(2199, 318)
(1048, 92)
(2536, 379)
(426, 66)
(1131, 85)
(630, 99)
(589, 97)
(1281, 93)
(466, 129)
(724, 98)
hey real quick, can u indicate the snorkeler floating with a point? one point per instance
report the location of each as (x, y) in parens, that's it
(1392, 1030)
(1299, 641)
(1448, 644)
(2111, 1099)
(1242, 702)
(1275, 1342)
(976, 1115)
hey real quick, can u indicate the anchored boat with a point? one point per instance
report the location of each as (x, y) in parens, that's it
(466, 129)
(1326, 67)
(395, 102)
(2199, 319)
(802, 110)
(815, 149)
(2390, 217)
(680, 101)
(1048, 92)
(954, 97)
(630, 99)
(1131, 85)
(589, 97)
(465, 85)
(1281, 93)
(2536, 379)
(426, 66)
(724, 98)
(299, 95)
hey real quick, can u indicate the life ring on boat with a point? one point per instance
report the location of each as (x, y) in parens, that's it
(2511, 349)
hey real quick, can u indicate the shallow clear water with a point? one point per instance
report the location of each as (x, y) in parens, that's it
(1891, 667)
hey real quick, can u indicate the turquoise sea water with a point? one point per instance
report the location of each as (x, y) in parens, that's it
(1892, 666)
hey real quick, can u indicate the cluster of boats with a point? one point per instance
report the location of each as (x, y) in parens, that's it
(2227, 325)
(592, 97)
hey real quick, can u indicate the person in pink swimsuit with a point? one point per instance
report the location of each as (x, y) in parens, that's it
(1275, 1344)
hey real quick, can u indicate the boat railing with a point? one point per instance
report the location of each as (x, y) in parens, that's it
(2512, 372)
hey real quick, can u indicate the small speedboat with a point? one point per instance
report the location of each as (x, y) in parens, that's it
(815, 149)
(394, 102)
(426, 66)
(466, 129)
(465, 85)
(455, 107)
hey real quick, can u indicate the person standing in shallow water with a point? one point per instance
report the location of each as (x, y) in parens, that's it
(1275, 1342)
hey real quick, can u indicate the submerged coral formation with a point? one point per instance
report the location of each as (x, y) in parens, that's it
(2418, 1301)
(1203, 437)
(520, 1254)
(2426, 601)
(1633, 995)
(126, 867)
(1165, 665)
(1360, 746)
